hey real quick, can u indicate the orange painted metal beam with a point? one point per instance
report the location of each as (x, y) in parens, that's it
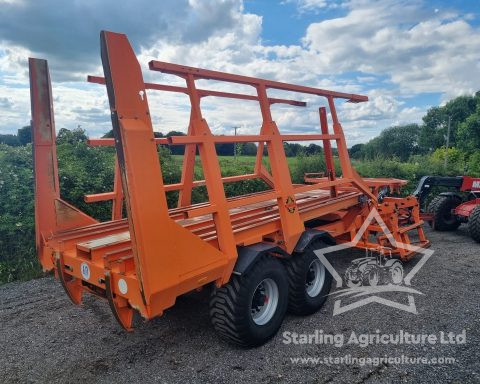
(205, 92)
(292, 225)
(161, 248)
(198, 73)
(47, 188)
(327, 149)
(198, 183)
(188, 169)
(110, 142)
(196, 139)
(52, 214)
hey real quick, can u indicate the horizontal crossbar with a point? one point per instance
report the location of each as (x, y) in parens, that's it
(198, 73)
(182, 140)
(205, 92)
(192, 139)
(109, 142)
(96, 197)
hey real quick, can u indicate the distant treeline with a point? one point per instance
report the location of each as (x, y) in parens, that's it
(241, 149)
(23, 137)
(402, 142)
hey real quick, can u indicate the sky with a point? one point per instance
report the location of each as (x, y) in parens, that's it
(406, 56)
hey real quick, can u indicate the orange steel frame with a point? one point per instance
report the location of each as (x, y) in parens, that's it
(145, 261)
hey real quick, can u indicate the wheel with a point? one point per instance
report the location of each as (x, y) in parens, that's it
(250, 308)
(396, 272)
(309, 282)
(371, 276)
(441, 207)
(474, 224)
(352, 283)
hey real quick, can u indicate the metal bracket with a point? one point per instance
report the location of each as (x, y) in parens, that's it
(72, 285)
(122, 311)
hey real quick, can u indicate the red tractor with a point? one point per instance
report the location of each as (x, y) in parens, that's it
(449, 209)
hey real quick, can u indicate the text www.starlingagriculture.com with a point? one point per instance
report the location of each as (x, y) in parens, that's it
(371, 361)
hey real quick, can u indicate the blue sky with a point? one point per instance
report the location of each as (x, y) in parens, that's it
(405, 55)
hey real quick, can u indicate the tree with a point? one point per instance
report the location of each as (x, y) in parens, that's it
(24, 135)
(293, 149)
(313, 149)
(74, 136)
(225, 149)
(435, 122)
(108, 135)
(400, 142)
(249, 149)
(468, 134)
(357, 151)
(176, 149)
(9, 139)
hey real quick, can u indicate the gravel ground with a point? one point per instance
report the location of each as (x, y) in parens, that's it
(44, 338)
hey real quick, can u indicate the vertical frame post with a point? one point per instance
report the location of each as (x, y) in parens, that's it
(188, 170)
(213, 179)
(47, 189)
(117, 202)
(169, 259)
(347, 169)
(292, 225)
(327, 150)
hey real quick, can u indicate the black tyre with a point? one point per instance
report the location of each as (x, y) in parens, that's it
(441, 207)
(309, 282)
(352, 282)
(474, 224)
(395, 272)
(371, 276)
(250, 308)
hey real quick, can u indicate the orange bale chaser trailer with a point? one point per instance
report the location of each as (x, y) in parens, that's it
(256, 250)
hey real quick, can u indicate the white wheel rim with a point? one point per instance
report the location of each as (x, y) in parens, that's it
(264, 301)
(315, 278)
(373, 278)
(397, 275)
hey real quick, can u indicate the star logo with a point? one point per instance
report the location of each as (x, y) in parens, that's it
(366, 287)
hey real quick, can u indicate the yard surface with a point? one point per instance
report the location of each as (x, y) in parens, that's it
(44, 338)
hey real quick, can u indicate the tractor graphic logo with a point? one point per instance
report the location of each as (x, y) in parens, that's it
(368, 279)
(374, 270)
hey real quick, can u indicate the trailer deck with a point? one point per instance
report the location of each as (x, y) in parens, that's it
(249, 222)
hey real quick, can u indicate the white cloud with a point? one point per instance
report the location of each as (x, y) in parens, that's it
(419, 51)
(313, 5)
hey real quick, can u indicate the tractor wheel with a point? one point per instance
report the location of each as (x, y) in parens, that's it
(474, 224)
(309, 282)
(250, 308)
(395, 272)
(371, 276)
(441, 207)
(352, 283)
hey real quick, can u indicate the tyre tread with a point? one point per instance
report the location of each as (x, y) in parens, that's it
(437, 206)
(227, 315)
(474, 224)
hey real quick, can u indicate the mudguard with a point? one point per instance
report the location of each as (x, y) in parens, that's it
(248, 255)
(311, 235)
(451, 195)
